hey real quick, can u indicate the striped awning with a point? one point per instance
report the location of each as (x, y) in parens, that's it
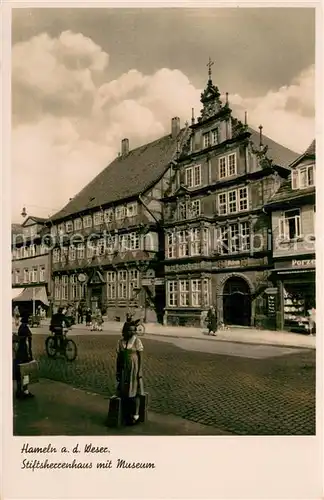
(33, 293)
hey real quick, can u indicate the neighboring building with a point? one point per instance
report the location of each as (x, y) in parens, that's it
(217, 235)
(293, 213)
(109, 236)
(30, 264)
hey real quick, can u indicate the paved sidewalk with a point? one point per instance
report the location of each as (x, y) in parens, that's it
(234, 334)
(61, 410)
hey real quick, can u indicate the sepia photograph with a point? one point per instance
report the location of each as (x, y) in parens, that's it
(163, 176)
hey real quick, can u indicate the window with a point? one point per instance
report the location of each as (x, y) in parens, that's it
(120, 212)
(25, 252)
(196, 293)
(43, 249)
(134, 243)
(183, 244)
(122, 284)
(91, 249)
(184, 293)
(57, 288)
(111, 285)
(227, 165)
(223, 240)
(206, 140)
(222, 204)
(73, 287)
(61, 229)
(131, 209)
(109, 215)
(205, 248)
(101, 247)
(19, 252)
(214, 136)
(32, 250)
(133, 282)
(64, 254)
(303, 177)
(98, 218)
(245, 236)
(69, 226)
(17, 276)
(56, 255)
(78, 224)
(193, 176)
(80, 250)
(194, 209)
(87, 221)
(232, 206)
(14, 254)
(72, 253)
(234, 238)
(26, 276)
(233, 201)
(171, 246)
(65, 287)
(182, 210)
(195, 244)
(206, 292)
(34, 275)
(42, 273)
(111, 244)
(172, 293)
(123, 243)
(289, 225)
(243, 199)
(30, 277)
(53, 230)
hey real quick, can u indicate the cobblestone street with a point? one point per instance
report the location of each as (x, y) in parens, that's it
(241, 395)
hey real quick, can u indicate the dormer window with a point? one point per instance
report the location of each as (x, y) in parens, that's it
(193, 176)
(131, 209)
(69, 226)
(303, 177)
(214, 137)
(120, 212)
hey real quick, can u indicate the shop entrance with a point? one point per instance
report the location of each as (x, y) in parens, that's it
(237, 302)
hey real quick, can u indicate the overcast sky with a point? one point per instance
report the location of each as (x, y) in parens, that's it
(82, 79)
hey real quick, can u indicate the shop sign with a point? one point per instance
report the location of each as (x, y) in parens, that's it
(303, 263)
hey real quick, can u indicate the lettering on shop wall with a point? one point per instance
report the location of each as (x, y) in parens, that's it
(304, 263)
(77, 457)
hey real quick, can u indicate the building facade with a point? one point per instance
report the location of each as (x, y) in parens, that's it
(293, 214)
(30, 264)
(108, 239)
(217, 235)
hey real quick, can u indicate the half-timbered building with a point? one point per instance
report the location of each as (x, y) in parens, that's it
(109, 237)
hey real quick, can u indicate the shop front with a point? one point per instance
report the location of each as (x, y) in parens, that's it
(296, 282)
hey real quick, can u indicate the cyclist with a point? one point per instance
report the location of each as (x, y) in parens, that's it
(57, 327)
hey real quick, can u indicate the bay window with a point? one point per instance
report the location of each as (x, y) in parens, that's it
(195, 241)
(233, 201)
(184, 292)
(65, 287)
(205, 292)
(183, 244)
(122, 284)
(234, 238)
(57, 288)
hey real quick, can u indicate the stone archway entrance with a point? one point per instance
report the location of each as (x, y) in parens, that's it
(237, 302)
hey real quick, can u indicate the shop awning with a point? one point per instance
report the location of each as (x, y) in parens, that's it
(15, 292)
(33, 293)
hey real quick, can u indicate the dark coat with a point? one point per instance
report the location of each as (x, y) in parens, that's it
(212, 321)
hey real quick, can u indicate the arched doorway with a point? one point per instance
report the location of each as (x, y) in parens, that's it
(237, 302)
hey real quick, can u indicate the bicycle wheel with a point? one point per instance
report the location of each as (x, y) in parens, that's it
(140, 329)
(50, 347)
(70, 350)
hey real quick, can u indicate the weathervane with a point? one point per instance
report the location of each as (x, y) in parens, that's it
(209, 64)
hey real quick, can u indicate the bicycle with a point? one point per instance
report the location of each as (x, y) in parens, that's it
(67, 347)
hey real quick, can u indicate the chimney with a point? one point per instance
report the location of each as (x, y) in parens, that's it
(124, 147)
(175, 127)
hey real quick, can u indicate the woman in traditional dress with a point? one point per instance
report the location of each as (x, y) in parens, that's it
(23, 355)
(129, 372)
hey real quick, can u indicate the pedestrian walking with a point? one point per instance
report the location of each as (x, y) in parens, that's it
(80, 314)
(23, 355)
(212, 321)
(88, 316)
(129, 376)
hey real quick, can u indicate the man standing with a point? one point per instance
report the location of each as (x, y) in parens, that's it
(57, 326)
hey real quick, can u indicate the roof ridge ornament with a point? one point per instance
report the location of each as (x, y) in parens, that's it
(209, 65)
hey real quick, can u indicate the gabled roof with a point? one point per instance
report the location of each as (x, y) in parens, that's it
(285, 192)
(310, 152)
(279, 154)
(126, 177)
(39, 220)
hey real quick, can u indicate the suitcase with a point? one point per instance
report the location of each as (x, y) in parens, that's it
(29, 372)
(115, 417)
(143, 409)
